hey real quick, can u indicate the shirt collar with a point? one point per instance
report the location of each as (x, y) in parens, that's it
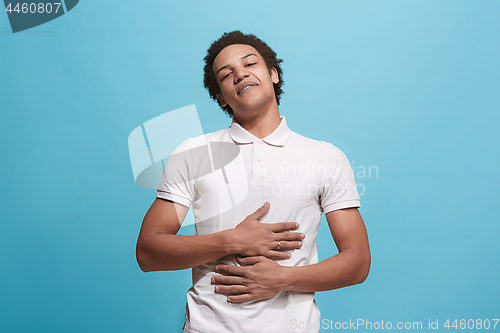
(277, 138)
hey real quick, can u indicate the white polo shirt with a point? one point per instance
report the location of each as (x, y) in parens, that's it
(300, 177)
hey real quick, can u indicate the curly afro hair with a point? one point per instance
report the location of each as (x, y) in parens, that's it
(237, 37)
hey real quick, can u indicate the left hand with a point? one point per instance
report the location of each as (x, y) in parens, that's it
(259, 278)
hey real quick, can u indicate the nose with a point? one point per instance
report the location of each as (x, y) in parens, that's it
(239, 74)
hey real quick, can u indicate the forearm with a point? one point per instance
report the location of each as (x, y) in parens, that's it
(259, 278)
(161, 252)
(160, 249)
(344, 269)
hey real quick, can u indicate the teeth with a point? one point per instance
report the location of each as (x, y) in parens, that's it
(246, 87)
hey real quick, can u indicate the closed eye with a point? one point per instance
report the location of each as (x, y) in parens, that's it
(251, 64)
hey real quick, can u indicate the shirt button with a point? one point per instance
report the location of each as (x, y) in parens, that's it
(259, 159)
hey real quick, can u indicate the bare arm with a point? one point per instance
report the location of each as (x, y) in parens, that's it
(350, 266)
(261, 278)
(159, 248)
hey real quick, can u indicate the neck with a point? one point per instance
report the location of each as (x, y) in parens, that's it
(259, 124)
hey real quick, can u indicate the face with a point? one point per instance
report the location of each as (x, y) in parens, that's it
(245, 81)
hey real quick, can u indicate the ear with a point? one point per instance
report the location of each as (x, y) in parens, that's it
(274, 75)
(221, 99)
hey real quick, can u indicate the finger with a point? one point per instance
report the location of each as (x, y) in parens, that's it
(240, 298)
(243, 261)
(231, 290)
(230, 270)
(278, 255)
(229, 280)
(288, 245)
(259, 213)
(289, 236)
(248, 260)
(284, 226)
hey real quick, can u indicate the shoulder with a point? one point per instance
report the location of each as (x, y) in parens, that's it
(317, 146)
(201, 140)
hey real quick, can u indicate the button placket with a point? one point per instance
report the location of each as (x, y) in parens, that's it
(258, 161)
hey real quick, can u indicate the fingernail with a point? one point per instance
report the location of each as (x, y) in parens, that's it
(296, 225)
(300, 244)
(302, 236)
(217, 288)
(288, 255)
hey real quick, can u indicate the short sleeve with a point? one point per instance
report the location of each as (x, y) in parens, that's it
(339, 189)
(177, 182)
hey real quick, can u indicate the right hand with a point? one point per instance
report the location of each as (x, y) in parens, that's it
(253, 238)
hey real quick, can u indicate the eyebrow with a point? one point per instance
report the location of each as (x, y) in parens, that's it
(244, 57)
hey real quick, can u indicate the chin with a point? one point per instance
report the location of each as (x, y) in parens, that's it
(249, 109)
(253, 106)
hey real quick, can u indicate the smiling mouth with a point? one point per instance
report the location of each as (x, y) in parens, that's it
(246, 87)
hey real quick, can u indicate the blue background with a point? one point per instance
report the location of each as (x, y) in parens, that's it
(409, 87)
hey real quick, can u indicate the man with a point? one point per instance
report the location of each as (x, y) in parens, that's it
(255, 265)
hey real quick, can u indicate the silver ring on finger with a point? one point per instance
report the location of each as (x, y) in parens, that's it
(279, 245)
